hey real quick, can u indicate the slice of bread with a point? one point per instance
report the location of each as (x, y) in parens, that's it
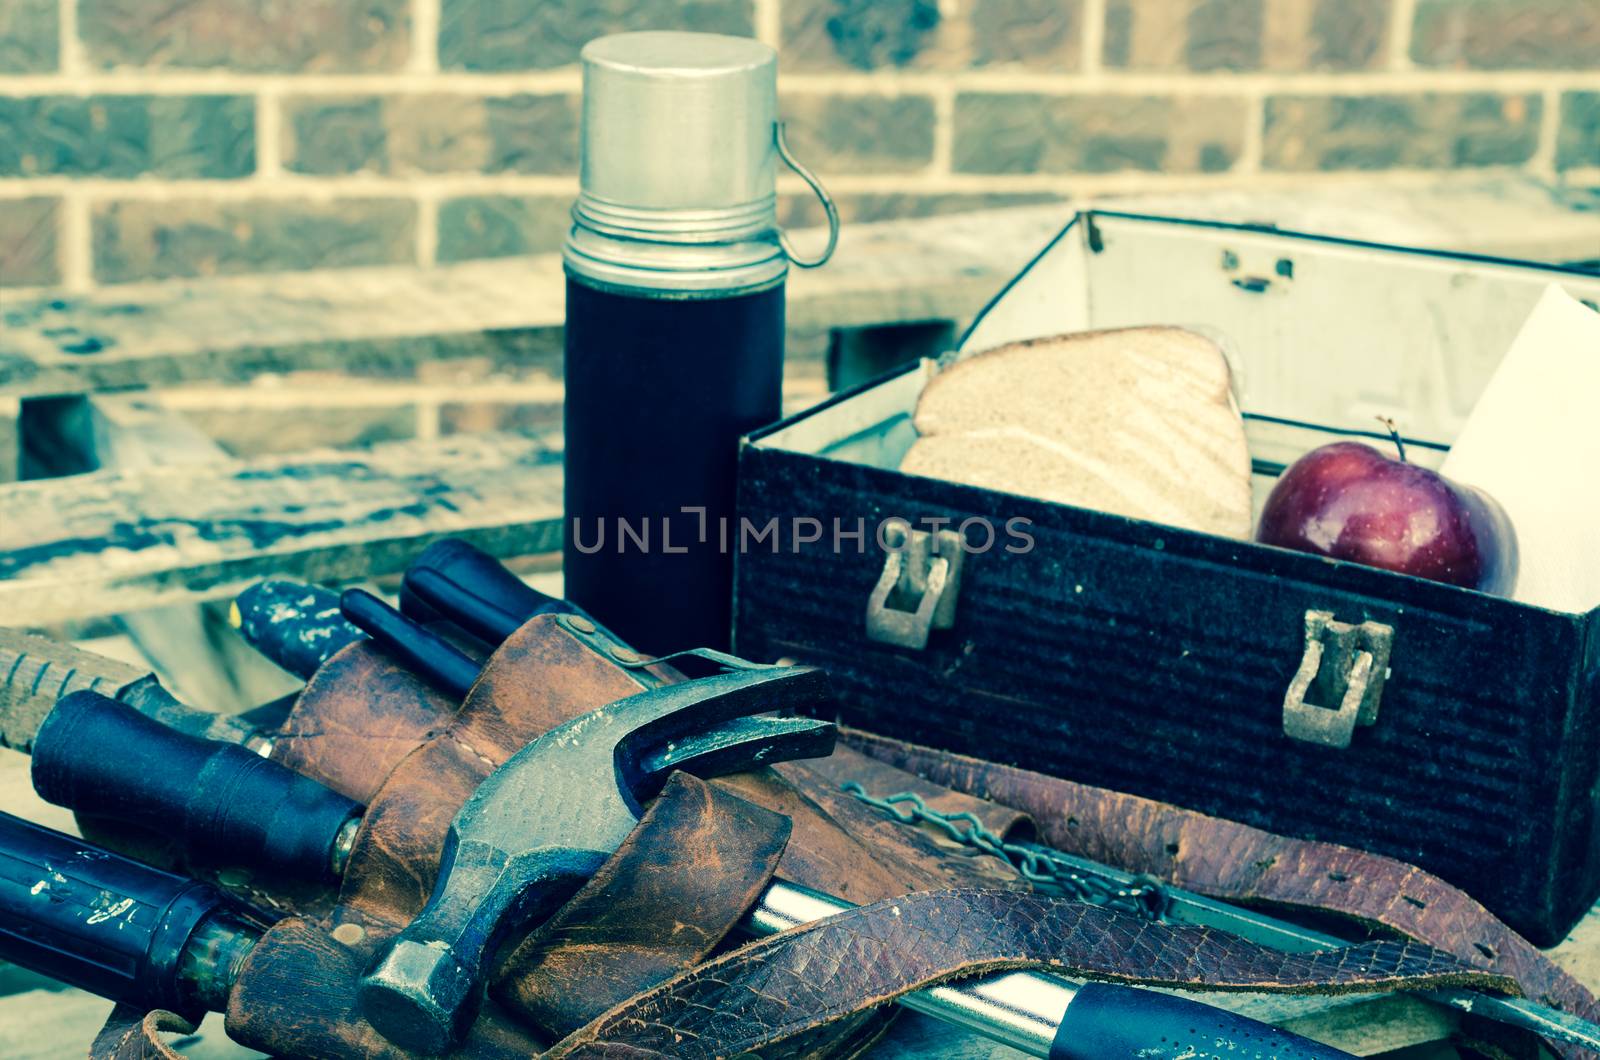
(1133, 421)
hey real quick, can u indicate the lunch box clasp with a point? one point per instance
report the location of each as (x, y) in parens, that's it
(916, 593)
(1339, 682)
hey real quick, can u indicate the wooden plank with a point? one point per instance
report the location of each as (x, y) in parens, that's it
(18, 798)
(508, 310)
(199, 657)
(146, 536)
(379, 320)
(914, 1035)
(58, 1025)
(127, 434)
(1364, 1025)
(128, 431)
(1579, 953)
(113, 541)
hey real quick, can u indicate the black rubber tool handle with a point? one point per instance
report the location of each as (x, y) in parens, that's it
(113, 926)
(423, 652)
(479, 574)
(297, 626)
(1106, 1022)
(228, 806)
(482, 618)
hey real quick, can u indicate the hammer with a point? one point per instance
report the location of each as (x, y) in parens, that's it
(544, 822)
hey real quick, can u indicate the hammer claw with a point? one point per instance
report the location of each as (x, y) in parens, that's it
(711, 711)
(734, 746)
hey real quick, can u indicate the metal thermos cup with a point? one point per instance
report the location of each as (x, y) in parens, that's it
(674, 336)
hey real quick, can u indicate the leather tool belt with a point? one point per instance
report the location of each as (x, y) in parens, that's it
(645, 959)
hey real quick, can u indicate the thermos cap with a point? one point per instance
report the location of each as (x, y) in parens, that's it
(678, 169)
(679, 121)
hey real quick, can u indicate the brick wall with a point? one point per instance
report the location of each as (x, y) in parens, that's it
(146, 140)
(142, 140)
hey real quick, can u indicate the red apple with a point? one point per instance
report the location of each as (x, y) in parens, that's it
(1351, 502)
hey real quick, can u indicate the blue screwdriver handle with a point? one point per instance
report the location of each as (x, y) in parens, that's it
(1106, 1022)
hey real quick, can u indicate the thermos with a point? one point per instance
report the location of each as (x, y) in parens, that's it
(675, 321)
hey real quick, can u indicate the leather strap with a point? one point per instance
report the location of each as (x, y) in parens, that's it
(850, 850)
(672, 893)
(774, 992)
(1228, 860)
(659, 906)
(130, 1034)
(358, 716)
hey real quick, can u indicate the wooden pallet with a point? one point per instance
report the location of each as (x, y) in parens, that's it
(145, 523)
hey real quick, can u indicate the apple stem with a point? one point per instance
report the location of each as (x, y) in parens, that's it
(1394, 432)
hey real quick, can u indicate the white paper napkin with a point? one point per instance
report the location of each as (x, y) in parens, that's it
(1533, 444)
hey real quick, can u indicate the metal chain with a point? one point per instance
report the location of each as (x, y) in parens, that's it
(1045, 869)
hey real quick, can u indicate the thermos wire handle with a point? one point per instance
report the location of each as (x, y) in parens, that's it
(822, 196)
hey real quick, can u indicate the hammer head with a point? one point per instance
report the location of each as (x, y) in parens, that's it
(544, 822)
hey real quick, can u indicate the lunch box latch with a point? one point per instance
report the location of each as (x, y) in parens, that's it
(916, 592)
(1339, 682)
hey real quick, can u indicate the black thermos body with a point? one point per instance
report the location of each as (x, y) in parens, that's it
(675, 323)
(659, 390)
